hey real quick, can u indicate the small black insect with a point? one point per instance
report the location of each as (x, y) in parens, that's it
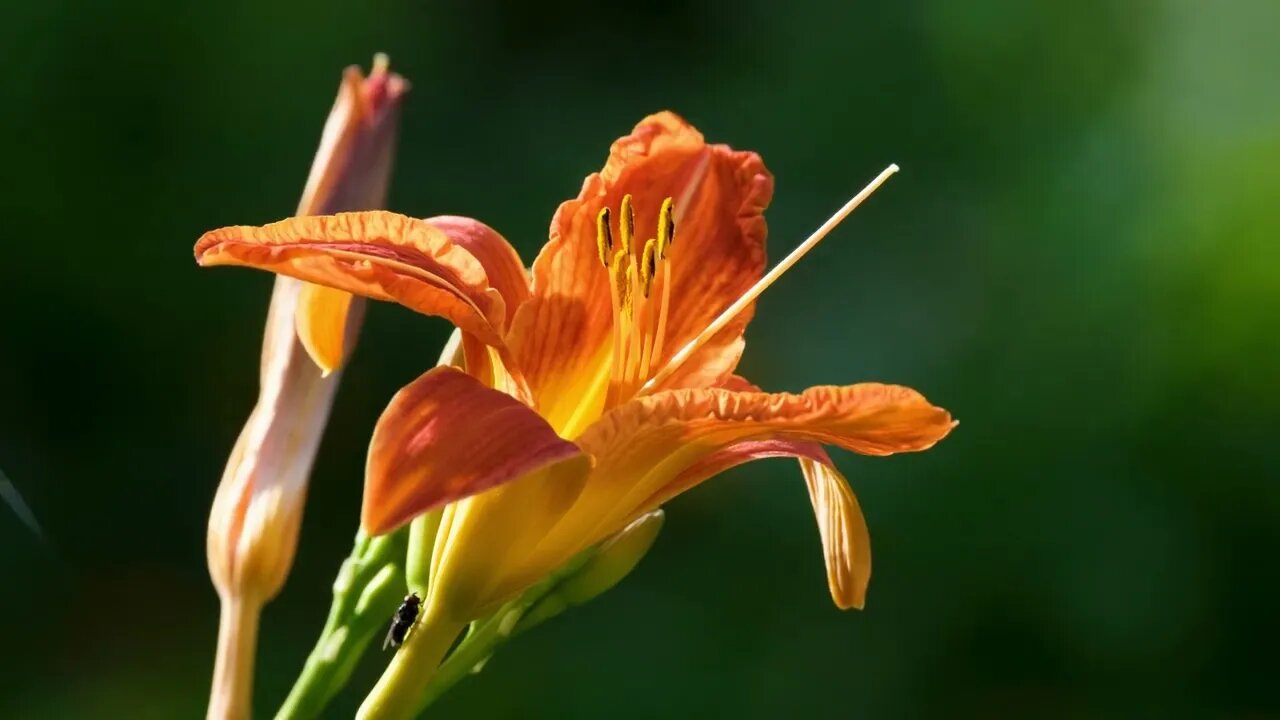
(402, 621)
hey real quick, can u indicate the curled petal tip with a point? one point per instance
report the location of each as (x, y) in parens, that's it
(323, 320)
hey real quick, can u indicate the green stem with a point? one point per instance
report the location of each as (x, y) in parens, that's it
(368, 588)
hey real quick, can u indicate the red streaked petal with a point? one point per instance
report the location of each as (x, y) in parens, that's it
(499, 259)
(444, 437)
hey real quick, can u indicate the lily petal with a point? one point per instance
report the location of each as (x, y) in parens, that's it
(444, 437)
(377, 254)
(846, 542)
(643, 447)
(718, 252)
(866, 418)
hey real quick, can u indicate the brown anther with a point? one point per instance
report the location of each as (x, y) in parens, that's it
(627, 223)
(620, 270)
(604, 236)
(648, 265)
(666, 227)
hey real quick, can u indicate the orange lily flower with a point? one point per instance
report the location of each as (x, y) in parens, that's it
(593, 393)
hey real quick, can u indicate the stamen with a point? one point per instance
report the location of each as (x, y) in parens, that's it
(666, 238)
(666, 227)
(604, 236)
(630, 303)
(635, 347)
(626, 329)
(627, 223)
(771, 277)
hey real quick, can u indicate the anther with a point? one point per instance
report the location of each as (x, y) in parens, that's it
(666, 227)
(648, 265)
(604, 236)
(620, 269)
(627, 223)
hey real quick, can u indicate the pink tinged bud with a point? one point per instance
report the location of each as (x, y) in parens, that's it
(253, 526)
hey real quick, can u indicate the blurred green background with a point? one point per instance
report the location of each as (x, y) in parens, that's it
(1079, 259)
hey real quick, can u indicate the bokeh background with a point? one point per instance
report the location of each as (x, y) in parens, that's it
(1080, 259)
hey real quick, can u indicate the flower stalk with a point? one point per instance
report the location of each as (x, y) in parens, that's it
(233, 669)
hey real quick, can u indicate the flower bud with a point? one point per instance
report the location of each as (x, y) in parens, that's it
(253, 525)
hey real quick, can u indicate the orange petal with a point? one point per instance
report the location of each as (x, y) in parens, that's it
(643, 446)
(376, 254)
(867, 418)
(328, 334)
(846, 543)
(445, 437)
(718, 252)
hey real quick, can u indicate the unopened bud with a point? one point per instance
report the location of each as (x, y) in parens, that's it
(253, 526)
